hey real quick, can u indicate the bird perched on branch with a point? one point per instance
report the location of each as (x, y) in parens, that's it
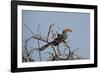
(60, 38)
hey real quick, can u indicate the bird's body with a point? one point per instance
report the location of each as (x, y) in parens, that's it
(60, 38)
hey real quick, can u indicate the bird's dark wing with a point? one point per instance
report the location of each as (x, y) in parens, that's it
(45, 46)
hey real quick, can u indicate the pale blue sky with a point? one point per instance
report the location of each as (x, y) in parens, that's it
(78, 22)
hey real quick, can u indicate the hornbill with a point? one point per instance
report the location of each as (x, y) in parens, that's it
(60, 38)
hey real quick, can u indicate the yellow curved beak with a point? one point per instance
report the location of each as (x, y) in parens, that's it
(68, 30)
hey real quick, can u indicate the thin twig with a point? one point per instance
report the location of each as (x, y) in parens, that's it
(39, 43)
(49, 30)
(28, 54)
(69, 49)
(56, 55)
(28, 29)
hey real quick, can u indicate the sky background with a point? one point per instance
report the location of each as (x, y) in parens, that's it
(78, 22)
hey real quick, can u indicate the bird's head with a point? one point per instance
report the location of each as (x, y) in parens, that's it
(67, 30)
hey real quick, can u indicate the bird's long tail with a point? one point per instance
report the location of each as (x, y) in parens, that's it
(45, 46)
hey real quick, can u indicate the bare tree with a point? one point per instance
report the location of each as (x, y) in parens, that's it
(55, 55)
